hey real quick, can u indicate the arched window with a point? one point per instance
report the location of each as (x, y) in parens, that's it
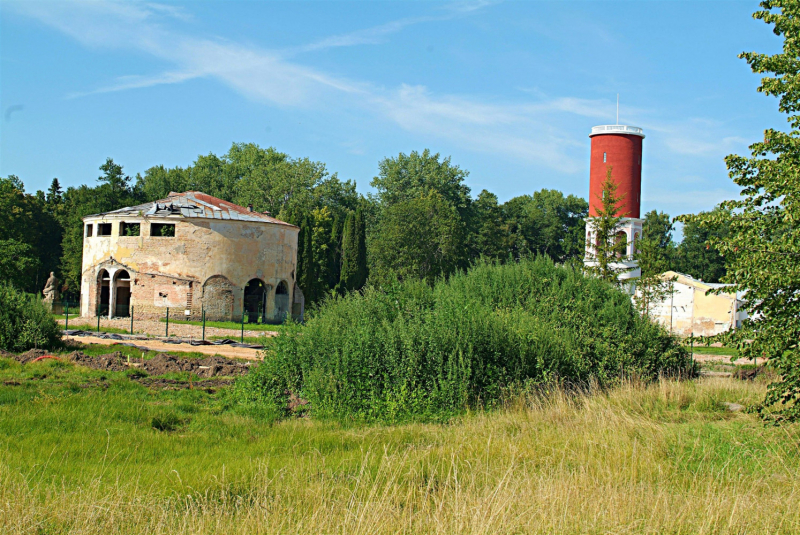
(103, 292)
(281, 301)
(621, 244)
(255, 301)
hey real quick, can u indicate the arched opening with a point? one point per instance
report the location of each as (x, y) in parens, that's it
(122, 294)
(621, 243)
(255, 301)
(281, 301)
(103, 292)
(218, 294)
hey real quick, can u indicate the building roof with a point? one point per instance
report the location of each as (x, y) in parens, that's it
(195, 204)
(696, 283)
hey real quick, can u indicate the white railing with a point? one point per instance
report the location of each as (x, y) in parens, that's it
(617, 129)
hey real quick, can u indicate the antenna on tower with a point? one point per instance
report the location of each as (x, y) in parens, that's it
(617, 108)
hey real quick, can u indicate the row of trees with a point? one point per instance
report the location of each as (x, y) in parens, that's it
(422, 221)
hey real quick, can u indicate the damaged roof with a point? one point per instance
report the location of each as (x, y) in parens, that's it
(195, 204)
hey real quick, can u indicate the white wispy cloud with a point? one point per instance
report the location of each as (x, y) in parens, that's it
(524, 130)
(138, 82)
(367, 36)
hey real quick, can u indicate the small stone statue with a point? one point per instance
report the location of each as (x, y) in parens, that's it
(51, 292)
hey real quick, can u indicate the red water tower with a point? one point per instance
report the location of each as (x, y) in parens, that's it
(619, 148)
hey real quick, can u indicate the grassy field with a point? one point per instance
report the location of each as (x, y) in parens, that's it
(702, 350)
(93, 328)
(95, 452)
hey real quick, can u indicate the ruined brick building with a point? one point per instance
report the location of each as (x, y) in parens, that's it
(190, 252)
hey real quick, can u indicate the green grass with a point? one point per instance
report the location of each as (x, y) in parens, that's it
(93, 328)
(95, 452)
(702, 350)
(231, 325)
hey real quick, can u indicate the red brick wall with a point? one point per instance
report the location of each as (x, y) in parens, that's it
(624, 155)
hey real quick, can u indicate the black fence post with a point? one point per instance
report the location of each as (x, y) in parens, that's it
(98, 319)
(242, 340)
(204, 324)
(166, 334)
(66, 313)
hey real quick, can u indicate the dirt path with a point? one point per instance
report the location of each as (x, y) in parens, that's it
(157, 328)
(723, 359)
(155, 345)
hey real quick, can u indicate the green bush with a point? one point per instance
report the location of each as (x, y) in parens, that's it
(25, 322)
(413, 351)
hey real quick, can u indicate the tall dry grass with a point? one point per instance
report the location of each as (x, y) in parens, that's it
(665, 458)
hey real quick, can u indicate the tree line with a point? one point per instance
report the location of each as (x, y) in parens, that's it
(422, 221)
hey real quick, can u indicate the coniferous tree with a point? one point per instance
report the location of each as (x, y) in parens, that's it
(301, 236)
(308, 282)
(335, 254)
(349, 270)
(362, 271)
(655, 253)
(607, 248)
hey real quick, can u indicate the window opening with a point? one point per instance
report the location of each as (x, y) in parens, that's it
(104, 229)
(89, 230)
(162, 230)
(255, 301)
(604, 157)
(281, 301)
(122, 289)
(130, 229)
(622, 244)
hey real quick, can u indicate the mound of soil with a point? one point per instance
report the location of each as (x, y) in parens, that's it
(5, 354)
(30, 355)
(207, 367)
(160, 364)
(113, 362)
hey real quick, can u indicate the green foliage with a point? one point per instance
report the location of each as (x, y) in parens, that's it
(115, 191)
(420, 238)
(266, 178)
(545, 223)
(30, 237)
(307, 273)
(409, 177)
(695, 256)
(655, 254)
(411, 350)
(349, 270)
(133, 229)
(25, 322)
(762, 246)
(605, 228)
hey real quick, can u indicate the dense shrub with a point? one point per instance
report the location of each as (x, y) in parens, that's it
(25, 322)
(415, 351)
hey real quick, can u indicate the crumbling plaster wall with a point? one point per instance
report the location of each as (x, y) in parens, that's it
(691, 310)
(173, 271)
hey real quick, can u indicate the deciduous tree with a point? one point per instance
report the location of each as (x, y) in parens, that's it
(762, 249)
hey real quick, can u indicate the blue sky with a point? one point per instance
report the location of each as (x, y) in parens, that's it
(509, 90)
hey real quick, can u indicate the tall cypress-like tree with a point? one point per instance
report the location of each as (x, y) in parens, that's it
(308, 275)
(349, 272)
(360, 230)
(335, 254)
(301, 236)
